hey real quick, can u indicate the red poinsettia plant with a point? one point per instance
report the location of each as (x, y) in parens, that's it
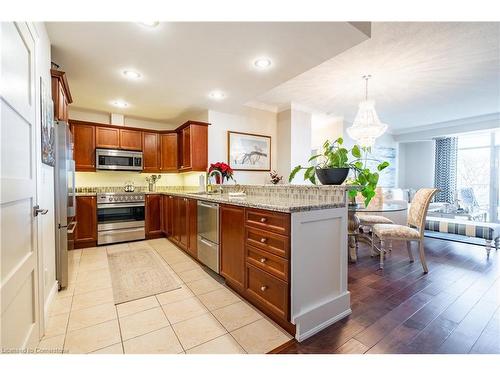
(224, 169)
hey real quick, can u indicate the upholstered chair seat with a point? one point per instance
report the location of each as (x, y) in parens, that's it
(394, 231)
(369, 220)
(413, 231)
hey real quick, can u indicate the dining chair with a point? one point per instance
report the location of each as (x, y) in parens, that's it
(368, 221)
(413, 231)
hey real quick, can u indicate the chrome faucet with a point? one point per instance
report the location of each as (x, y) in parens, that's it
(209, 175)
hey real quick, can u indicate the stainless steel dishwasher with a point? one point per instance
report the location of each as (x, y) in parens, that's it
(208, 234)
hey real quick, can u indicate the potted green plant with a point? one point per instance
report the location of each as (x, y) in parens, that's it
(333, 165)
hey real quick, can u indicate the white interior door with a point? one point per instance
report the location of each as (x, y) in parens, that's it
(18, 252)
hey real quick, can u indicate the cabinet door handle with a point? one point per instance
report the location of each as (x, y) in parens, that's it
(263, 260)
(263, 219)
(263, 288)
(263, 240)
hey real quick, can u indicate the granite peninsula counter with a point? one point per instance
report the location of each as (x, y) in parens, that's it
(283, 248)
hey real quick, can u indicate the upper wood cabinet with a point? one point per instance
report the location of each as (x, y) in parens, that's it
(168, 152)
(86, 218)
(61, 95)
(130, 139)
(232, 245)
(84, 146)
(107, 137)
(193, 146)
(163, 151)
(150, 152)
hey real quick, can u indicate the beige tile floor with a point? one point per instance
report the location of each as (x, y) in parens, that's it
(203, 316)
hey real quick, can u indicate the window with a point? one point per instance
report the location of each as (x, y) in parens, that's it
(478, 156)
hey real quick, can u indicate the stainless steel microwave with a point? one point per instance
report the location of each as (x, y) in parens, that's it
(118, 160)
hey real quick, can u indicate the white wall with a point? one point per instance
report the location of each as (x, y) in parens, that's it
(417, 164)
(105, 118)
(249, 120)
(294, 137)
(45, 173)
(284, 132)
(325, 127)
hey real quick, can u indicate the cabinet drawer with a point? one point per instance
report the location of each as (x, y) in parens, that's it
(267, 220)
(271, 242)
(268, 262)
(268, 291)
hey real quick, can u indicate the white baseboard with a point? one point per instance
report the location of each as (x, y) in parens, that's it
(322, 326)
(49, 300)
(320, 317)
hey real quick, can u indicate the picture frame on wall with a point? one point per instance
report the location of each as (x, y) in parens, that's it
(47, 124)
(248, 152)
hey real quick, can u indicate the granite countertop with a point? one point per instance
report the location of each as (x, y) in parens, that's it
(275, 204)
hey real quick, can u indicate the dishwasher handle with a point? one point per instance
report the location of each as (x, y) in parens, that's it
(208, 205)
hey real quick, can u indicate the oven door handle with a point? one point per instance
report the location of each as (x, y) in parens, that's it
(119, 205)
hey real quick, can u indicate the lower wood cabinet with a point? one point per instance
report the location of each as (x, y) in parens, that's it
(153, 215)
(192, 227)
(85, 234)
(232, 245)
(267, 291)
(181, 223)
(255, 258)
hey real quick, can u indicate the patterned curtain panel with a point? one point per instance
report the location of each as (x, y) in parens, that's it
(445, 173)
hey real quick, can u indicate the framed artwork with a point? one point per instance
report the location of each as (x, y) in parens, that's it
(248, 152)
(47, 123)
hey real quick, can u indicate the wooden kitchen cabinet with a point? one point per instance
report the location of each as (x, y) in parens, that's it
(153, 216)
(181, 223)
(84, 146)
(193, 146)
(182, 210)
(150, 152)
(107, 137)
(85, 234)
(192, 227)
(168, 152)
(232, 245)
(176, 224)
(130, 139)
(61, 95)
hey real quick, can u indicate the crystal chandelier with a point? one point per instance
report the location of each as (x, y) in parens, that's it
(366, 126)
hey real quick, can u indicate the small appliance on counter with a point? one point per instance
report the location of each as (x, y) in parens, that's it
(129, 187)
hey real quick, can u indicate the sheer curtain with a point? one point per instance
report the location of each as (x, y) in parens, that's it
(445, 170)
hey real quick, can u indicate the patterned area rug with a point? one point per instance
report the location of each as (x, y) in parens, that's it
(138, 273)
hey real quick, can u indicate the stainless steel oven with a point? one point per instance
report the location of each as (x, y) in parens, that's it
(120, 217)
(118, 160)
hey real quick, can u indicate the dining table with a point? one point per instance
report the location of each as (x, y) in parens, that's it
(355, 233)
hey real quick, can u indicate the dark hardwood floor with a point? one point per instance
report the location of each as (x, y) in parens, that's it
(455, 308)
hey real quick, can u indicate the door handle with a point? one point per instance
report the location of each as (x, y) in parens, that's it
(37, 210)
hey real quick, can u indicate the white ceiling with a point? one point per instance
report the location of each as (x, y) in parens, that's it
(182, 62)
(422, 73)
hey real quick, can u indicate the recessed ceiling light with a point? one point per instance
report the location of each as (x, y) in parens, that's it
(262, 63)
(217, 95)
(131, 74)
(119, 103)
(150, 24)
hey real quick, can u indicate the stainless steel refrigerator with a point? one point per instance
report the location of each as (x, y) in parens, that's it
(65, 197)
